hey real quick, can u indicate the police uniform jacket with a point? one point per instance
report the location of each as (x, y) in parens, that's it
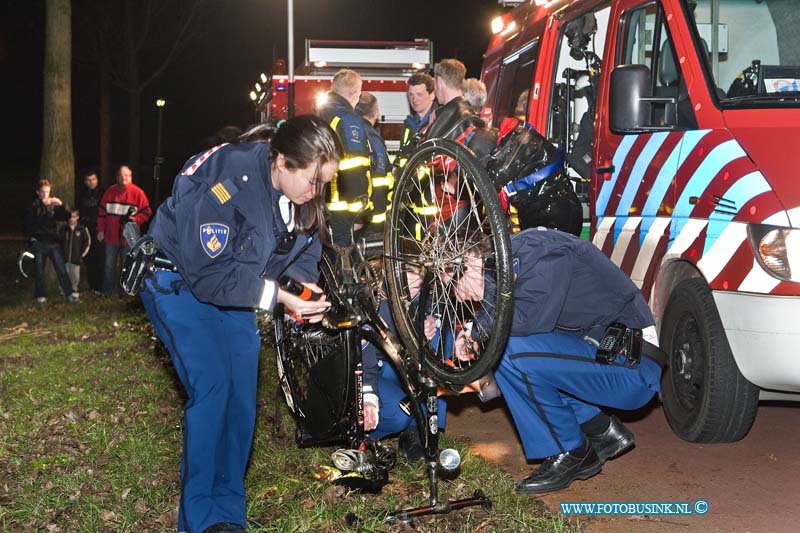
(352, 178)
(565, 283)
(222, 224)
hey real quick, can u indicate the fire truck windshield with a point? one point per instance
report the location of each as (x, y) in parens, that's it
(751, 50)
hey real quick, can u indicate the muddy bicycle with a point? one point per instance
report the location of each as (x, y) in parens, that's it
(443, 202)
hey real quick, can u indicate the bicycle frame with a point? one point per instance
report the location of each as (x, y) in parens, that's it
(353, 309)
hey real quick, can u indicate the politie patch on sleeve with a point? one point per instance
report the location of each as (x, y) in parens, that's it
(214, 238)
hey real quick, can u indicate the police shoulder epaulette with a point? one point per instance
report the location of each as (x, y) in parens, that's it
(222, 191)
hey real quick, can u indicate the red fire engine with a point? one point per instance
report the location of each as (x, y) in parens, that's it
(682, 117)
(384, 67)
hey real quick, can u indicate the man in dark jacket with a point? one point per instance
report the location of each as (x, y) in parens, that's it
(456, 119)
(567, 295)
(41, 227)
(88, 202)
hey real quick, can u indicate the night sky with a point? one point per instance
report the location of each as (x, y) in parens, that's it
(207, 85)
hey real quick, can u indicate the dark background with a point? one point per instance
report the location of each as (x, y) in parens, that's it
(207, 84)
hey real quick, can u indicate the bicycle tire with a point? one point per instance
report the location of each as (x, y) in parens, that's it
(315, 368)
(439, 220)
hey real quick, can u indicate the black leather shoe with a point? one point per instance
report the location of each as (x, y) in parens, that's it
(409, 445)
(224, 527)
(559, 471)
(613, 442)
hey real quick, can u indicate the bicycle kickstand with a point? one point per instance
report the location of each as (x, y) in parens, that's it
(448, 460)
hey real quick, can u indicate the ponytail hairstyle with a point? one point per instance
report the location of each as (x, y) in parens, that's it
(304, 141)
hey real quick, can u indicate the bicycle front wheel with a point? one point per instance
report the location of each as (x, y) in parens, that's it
(446, 219)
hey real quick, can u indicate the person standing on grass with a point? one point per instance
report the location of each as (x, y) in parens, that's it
(41, 228)
(121, 203)
(88, 203)
(75, 244)
(240, 216)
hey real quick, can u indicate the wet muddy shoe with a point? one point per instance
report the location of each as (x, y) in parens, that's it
(559, 471)
(224, 527)
(613, 442)
(409, 445)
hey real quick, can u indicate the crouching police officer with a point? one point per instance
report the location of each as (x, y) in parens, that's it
(582, 336)
(228, 228)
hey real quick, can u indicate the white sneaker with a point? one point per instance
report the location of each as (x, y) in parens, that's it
(41, 300)
(74, 297)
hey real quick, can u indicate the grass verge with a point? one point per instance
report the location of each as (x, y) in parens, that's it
(90, 436)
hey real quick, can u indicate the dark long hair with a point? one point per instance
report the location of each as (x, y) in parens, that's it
(303, 141)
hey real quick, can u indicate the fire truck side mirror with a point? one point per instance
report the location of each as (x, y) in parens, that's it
(630, 110)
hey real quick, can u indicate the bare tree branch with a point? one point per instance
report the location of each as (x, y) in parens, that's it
(180, 40)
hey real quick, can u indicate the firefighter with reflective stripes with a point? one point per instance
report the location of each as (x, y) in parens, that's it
(351, 186)
(380, 168)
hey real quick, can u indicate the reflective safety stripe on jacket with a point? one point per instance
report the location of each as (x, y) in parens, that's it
(381, 196)
(352, 170)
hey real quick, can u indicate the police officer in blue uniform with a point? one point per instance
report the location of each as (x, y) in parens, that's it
(351, 184)
(228, 228)
(386, 408)
(566, 295)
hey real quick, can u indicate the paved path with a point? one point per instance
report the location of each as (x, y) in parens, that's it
(752, 485)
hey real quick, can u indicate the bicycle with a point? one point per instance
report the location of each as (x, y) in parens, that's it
(443, 203)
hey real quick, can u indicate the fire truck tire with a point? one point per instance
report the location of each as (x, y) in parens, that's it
(705, 397)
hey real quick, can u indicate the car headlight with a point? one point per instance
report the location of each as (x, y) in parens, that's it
(777, 250)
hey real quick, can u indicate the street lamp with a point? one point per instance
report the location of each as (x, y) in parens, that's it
(160, 103)
(290, 24)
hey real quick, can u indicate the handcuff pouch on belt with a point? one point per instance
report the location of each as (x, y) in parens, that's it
(620, 345)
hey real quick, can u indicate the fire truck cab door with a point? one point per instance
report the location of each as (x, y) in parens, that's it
(633, 186)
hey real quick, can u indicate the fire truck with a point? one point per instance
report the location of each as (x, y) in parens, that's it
(683, 118)
(384, 67)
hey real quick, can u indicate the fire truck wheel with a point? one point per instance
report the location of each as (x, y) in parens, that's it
(705, 397)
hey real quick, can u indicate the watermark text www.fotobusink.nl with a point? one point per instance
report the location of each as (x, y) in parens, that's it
(699, 507)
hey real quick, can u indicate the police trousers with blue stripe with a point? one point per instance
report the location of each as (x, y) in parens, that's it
(552, 385)
(215, 353)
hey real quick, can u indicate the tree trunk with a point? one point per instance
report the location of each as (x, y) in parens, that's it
(58, 159)
(105, 169)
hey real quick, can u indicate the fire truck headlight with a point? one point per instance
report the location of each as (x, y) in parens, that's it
(321, 99)
(497, 25)
(777, 250)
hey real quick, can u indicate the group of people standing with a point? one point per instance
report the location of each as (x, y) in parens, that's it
(249, 211)
(366, 174)
(90, 233)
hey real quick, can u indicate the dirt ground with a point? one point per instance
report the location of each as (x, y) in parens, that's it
(751, 485)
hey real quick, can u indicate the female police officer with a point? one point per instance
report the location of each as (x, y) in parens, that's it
(566, 295)
(228, 229)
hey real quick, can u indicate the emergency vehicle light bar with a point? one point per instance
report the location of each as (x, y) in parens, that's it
(366, 54)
